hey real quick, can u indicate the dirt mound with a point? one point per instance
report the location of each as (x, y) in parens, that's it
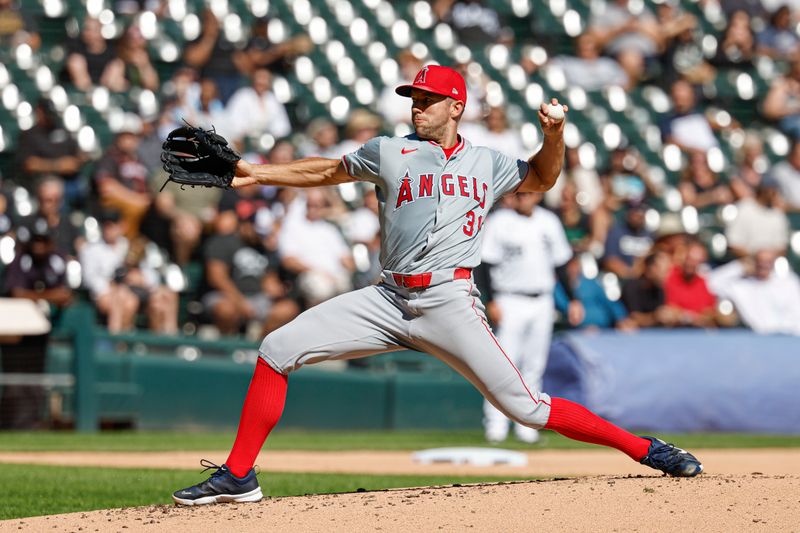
(708, 503)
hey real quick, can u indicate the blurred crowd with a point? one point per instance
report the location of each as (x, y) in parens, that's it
(98, 226)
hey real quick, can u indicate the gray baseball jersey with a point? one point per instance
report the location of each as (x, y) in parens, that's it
(431, 210)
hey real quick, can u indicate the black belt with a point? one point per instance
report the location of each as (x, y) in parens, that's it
(528, 294)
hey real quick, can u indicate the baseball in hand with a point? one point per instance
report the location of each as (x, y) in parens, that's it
(555, 112)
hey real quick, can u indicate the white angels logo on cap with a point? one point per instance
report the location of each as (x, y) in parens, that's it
(455, 91)
(421, 75)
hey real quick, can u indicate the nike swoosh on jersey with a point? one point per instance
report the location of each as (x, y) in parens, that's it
(405, 151)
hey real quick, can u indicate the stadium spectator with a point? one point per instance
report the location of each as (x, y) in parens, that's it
(315, 251)
(627, 179)
(755, 8)
(122, 183)
(131, 8)
(262, 52)
(255, 110)
(48, 149)
(477, 82)
(588, 69)
(242, 277)
(671, 236)
(779, 40)
(590, 194)
(243, 201)
(685, 287)
(782, 103)
(121, 178)
(737, 47)
(66, 236)
(133, 68)
(362, 228)
(283, 151)
(786, 174)
(496, 134)
(17, 27)
(394, 107)
(216, 57)
(362, 125)
(577, 224)
(6, 211)
(631, 38)
(599, 310)
(752, 165)
(91, 59)
(196, 101)
(120, 283)
(322, 138)
(585, 231)
(150, 148)
(176, 219)
(627, 241)
(589, 191)
(176, 223)
(767, 300)
(760, 224)
(701, 187)
(686, 127)
(474, 22)
(644, 296)
(673, 21)
(37, 273)
(682, 55)
(288, 205)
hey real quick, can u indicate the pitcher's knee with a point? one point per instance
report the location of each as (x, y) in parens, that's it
(532, 412)
(535, 418)
(273, 352)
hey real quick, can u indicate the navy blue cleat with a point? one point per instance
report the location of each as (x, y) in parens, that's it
(221, 487)
(670, 459)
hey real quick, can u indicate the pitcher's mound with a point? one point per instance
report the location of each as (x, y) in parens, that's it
(726, 503)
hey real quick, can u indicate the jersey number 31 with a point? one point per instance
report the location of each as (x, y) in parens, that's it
(473, 224)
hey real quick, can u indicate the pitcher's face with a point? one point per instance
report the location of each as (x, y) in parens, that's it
(431, 113)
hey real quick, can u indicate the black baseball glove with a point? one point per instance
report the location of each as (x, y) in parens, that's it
(194, 156)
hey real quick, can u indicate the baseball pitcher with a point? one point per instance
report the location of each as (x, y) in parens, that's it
(434, 190)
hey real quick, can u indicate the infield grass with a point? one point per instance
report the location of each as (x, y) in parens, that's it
(44, 490)
(342, 440)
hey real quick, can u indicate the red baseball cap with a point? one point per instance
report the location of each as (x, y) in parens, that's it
(438, 80)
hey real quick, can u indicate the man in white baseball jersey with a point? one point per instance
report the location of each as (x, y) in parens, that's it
(524, 248)
(434, 190)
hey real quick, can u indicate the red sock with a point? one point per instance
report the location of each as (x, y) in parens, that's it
(262, 410)
(577, 422)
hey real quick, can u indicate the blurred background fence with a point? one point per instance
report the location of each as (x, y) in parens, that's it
(684, 380)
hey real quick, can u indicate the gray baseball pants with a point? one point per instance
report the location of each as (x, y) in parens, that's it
(446, 320)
